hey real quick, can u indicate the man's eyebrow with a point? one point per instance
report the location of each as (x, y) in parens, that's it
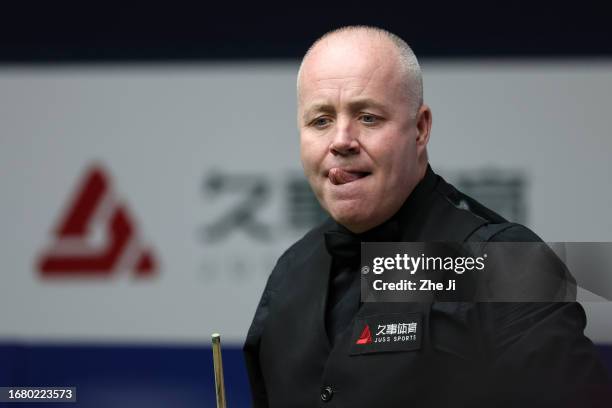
(318, 107)
(366, 103)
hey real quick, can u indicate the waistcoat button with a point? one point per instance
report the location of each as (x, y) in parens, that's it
(327, 393)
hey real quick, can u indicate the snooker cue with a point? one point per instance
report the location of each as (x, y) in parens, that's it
(218, 365)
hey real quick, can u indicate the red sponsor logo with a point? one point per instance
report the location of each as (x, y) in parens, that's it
(72, 253)
(365, 337)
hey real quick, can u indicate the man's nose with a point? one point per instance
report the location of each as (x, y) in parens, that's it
(345, 142)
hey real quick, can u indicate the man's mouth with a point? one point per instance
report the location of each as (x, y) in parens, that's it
(338, 176)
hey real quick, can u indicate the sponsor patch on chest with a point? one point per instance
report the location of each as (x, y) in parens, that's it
(386, 332)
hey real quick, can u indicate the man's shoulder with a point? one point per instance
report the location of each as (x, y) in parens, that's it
(309, 242)
(505, 232)
(296, 255)
(493, 227)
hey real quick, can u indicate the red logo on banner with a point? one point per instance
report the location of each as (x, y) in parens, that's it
(365, 337)
(72, 254)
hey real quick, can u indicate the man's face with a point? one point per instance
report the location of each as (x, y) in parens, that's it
(359, 139)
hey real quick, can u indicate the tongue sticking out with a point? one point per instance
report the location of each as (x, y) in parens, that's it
(338, 176)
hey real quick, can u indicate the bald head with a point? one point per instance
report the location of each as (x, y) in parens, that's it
(363, 127)
(380, 45)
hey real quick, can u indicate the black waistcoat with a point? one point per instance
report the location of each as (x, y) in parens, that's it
(301, 369)
(291, 362)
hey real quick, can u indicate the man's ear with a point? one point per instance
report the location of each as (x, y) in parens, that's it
(423, 125)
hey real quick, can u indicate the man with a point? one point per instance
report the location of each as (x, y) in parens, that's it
(364, 132)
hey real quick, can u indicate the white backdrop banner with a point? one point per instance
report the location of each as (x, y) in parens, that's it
(149, 203)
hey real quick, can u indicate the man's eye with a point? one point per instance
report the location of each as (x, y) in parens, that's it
(368, 119)
(320, 122)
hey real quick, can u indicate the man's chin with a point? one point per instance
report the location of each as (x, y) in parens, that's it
(355, 219)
